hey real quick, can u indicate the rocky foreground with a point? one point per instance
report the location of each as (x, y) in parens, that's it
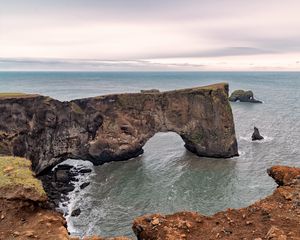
(115, 127)
(25, 213)
(24, 210)
(276, 217)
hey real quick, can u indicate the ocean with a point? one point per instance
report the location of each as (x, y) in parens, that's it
(168, 178)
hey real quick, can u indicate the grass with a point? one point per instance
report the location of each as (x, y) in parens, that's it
(76, 108)
(16, 171)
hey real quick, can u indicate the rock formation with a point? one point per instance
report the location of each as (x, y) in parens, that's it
(243, 96)
(23, 214)
(275, 217)
(115, 127)
(24, 210)
(256, 135)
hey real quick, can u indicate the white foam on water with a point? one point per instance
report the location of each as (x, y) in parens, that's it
(68, 206)
(248, 139)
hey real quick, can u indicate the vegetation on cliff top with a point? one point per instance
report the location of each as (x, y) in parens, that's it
(16, 171)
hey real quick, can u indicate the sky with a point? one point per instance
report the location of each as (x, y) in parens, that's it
(156, 35)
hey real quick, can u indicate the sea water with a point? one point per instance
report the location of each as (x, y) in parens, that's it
(168, 178)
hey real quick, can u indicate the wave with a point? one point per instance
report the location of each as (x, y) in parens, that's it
(266, 139)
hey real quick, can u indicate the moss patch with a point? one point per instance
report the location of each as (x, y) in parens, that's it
(76, 108)
(16, 171)
(197, 137)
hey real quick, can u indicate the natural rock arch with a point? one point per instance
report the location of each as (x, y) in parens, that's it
(115, 127)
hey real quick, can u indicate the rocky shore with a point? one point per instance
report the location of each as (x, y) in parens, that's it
(59, 182)
(25, 212)
(276, 217)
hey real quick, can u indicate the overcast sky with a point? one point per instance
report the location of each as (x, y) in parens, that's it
(150, 35)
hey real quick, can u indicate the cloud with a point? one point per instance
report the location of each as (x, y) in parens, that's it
(91, 65)
(121, 34)
(219, 52)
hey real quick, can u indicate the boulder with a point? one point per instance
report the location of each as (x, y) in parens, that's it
(76, 212)
(256, 135)
(85, 170)
(243, 96)
(64, 167)
(62, 176)
(84, 185)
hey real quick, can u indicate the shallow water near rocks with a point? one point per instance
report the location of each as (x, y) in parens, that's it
(168, 178)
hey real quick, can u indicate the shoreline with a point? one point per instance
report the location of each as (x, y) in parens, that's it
(274, 217)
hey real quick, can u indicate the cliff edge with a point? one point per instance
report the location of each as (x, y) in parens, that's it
(276, 217)
(24, 212)
(115, 127)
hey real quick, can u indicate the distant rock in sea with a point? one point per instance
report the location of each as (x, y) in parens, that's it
(256, 135)
(243, 96)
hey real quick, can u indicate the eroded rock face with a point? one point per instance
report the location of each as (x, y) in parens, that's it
(275, 217)
(115, 127)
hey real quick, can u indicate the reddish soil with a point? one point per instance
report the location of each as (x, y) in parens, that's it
(276, 217)
(21, 220)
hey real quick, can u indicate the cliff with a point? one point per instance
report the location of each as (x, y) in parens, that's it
(276, 217)
(115, 127)
(24, 211)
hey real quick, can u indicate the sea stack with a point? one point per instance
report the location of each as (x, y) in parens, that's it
(243, 96)
(256, 135)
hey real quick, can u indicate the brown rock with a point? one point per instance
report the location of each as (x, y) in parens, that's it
(275, 234)
(29, 234)
(115, 127)
(155, 221)
(284, 175)
(8, 169)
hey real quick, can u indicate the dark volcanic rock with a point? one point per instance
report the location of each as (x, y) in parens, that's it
(76, 212)
(59, 182)
(62, 176)
(243, 96)
(84, 185)
(64, 167)
(256, 135)
(66, 189)
(115, 127)
(85, 170)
